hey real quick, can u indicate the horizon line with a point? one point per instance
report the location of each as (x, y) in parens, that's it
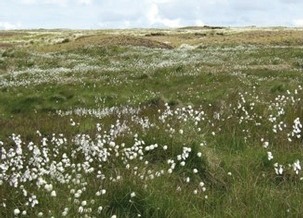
(161, 28)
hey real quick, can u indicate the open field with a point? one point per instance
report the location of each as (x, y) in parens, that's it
(189, 122)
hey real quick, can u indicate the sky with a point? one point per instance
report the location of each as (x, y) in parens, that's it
(108, 14)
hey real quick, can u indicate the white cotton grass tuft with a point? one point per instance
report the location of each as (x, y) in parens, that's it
(50, 157)
(16, 211)
(133, 194)
(103, 191)
(265, 144)
(65, 212)
(80, 209)
(48, 187)
(297, 166)
(53, 193)
(100, 208)
(269, 156)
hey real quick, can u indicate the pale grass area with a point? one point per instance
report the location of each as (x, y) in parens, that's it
(175, 37)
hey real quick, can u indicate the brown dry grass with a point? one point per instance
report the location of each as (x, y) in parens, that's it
(5, 45)
(165, 39)
(123, 40)
(105, 40)
(226, 37)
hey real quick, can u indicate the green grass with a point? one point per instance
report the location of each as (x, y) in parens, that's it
(182, 129)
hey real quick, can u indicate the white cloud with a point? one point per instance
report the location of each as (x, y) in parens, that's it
(199, 23)
(57, 2)
(174, 23)
(85, 2)
(9, 26)
(154, 18)
(153, 13)
(52, 2)
(298, 22)
(28, 2)
(162, 1)
(149, 13)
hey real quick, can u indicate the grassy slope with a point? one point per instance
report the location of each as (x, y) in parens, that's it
(236, 74)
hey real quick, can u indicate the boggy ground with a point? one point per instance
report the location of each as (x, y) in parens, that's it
(189, 122)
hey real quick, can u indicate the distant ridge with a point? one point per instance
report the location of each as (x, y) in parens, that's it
(202, 27)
